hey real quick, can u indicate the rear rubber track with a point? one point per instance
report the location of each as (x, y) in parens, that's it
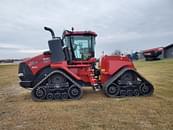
(127, 82)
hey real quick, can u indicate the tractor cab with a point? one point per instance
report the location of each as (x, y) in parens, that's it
(74, 46)
(81, 44)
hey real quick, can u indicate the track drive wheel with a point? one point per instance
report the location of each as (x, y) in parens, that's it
(112, 90)
(75, 92)
(128, 76)
(57, 80)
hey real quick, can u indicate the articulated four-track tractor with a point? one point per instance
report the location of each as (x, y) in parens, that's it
(69, 65)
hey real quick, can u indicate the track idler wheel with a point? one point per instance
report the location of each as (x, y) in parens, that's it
(75, 92)
(39, 93)
(145, 89)
(112, 90)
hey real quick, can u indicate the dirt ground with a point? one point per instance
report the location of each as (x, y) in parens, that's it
(94, 111)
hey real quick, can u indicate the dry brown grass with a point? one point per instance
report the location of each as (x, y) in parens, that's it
(94, 111)
(8, 74)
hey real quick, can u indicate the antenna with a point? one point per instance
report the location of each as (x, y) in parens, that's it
(72, 29)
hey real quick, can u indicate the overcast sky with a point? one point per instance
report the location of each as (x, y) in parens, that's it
(126, 25)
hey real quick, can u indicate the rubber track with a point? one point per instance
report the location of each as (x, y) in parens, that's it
(49, 75)
(121, 72)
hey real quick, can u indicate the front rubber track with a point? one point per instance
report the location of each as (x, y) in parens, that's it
(57, 86)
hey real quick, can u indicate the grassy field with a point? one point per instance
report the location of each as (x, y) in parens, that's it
(94, 111)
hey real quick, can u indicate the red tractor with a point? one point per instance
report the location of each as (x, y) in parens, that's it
(69, 65)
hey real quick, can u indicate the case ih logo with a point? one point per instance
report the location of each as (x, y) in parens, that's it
(32, 63)
(46, 60)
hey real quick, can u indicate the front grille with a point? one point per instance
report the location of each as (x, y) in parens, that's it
(24, 72)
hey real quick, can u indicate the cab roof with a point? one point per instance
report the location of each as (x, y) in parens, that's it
(76, 33)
